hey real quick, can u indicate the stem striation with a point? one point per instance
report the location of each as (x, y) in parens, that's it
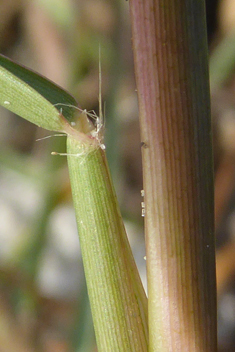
(171, 65)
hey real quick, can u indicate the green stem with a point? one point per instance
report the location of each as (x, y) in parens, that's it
(118, 301)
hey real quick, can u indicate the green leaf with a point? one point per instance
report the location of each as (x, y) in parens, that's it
(33, 97)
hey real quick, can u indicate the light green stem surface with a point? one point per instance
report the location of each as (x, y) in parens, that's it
(118, 301)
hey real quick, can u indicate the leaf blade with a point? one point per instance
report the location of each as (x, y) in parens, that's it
(33, 97)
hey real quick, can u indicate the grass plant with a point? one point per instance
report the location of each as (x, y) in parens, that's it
(171, 65)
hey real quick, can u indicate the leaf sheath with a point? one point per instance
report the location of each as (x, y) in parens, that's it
(117, 298)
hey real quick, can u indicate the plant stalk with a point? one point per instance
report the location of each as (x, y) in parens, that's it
(171, 66)
(118, 302)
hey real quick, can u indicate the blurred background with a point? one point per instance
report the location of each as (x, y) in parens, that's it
(43, 298)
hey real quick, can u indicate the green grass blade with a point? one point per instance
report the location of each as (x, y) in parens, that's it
(33, 97)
